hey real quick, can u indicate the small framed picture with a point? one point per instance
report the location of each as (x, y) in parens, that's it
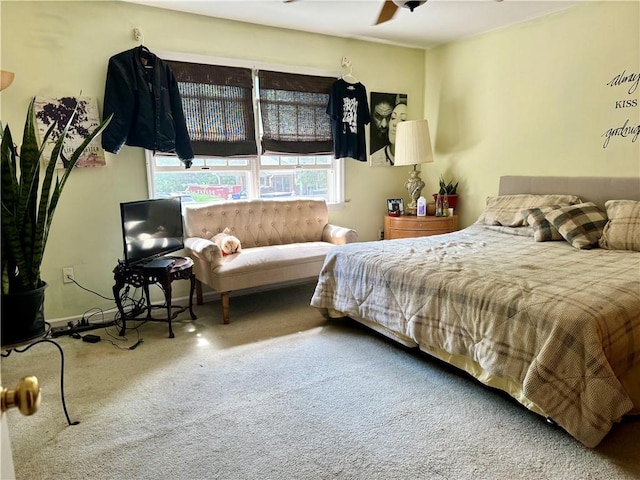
(395, 207)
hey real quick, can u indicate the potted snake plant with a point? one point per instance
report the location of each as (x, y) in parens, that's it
(451, 189)
(28, 205)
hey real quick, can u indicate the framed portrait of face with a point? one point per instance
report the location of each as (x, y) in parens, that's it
(387, 110)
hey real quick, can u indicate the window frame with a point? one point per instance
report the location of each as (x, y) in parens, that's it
(254, 167)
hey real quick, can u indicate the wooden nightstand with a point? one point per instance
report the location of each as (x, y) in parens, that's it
(410, 226)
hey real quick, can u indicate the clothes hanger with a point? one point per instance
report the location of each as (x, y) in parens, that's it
(349, 75)
(347, 63)
(145, 53)
(146, 57)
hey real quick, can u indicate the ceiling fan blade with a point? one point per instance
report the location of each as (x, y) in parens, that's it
(387, 12)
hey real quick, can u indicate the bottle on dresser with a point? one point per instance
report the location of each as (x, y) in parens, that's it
(438, 205)
(422, 207)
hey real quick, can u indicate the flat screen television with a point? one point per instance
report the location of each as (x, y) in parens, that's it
(151, 228)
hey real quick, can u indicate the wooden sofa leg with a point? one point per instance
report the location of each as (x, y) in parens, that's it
(198, 292)
(224, 296)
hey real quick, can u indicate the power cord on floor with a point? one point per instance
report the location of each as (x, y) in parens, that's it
(130, 305)
(131, 347)
(90, 291)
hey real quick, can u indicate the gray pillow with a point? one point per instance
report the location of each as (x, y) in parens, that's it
(506, 209)
(543, 229)
(580, 225)
(622, 231)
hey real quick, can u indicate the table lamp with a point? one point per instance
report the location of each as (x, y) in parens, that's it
(413, 146)
(6, 79)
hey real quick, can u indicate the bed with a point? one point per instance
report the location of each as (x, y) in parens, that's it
(539, 298)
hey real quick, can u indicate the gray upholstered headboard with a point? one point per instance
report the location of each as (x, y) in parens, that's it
(590, 189)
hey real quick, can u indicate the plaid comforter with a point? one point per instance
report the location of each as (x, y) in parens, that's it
(563, 323)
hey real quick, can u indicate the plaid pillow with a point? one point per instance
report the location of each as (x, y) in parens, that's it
(543, 230)
(622, 232)
(505, 209)
(580, 225)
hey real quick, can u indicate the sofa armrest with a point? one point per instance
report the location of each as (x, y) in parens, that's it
(338, 235)
(204, 249)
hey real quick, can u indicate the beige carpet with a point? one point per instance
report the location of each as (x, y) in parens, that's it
(280, 393)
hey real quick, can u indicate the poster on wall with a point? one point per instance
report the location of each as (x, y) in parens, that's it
(58, 111)
(387, 109)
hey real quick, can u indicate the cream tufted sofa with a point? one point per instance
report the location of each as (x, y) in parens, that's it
(282, 240)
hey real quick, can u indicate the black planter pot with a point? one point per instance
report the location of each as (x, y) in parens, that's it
(22, 316)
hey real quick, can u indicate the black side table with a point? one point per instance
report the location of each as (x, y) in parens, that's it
(142, 276)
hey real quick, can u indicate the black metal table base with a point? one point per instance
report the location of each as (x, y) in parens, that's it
(142, 276)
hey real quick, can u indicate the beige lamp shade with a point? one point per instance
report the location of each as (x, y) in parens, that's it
(6, 79)
(413, 143)
(413, 146)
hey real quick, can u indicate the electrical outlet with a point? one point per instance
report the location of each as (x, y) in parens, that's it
(67, 275)
(381, 234)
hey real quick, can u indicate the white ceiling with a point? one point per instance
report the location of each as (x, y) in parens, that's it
(436, 22)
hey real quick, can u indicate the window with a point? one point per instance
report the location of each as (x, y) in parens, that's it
(225, 106)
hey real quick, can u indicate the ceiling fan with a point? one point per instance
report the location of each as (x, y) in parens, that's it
(390, 7)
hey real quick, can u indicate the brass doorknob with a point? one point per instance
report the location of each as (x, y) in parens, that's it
(26, 396)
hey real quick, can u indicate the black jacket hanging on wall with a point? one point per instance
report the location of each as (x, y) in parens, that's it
(143, 95)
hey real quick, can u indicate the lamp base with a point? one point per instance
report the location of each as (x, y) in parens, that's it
(414, 186)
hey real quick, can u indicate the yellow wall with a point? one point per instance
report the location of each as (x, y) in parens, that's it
(533, 99)
(62, 48)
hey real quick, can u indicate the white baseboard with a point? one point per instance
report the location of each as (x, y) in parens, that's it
(210, 296)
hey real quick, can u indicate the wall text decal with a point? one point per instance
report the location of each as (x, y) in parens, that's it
(630, 81)
(621, 78)
(623, 131)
